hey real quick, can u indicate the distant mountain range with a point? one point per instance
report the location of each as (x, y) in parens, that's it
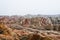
(30, 16)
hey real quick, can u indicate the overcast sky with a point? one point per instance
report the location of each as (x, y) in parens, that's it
(22, 7)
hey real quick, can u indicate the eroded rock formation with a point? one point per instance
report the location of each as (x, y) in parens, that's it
(7, 33)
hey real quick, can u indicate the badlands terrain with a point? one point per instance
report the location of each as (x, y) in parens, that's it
(30, 27)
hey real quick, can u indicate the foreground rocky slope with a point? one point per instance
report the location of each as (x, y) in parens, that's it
(7, 33)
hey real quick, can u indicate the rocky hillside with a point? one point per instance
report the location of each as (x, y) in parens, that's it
(30, 27)
(33, 21)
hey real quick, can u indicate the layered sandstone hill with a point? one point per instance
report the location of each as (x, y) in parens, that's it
(34, 22)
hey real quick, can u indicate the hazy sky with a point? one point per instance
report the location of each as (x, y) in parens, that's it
(22, 7)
